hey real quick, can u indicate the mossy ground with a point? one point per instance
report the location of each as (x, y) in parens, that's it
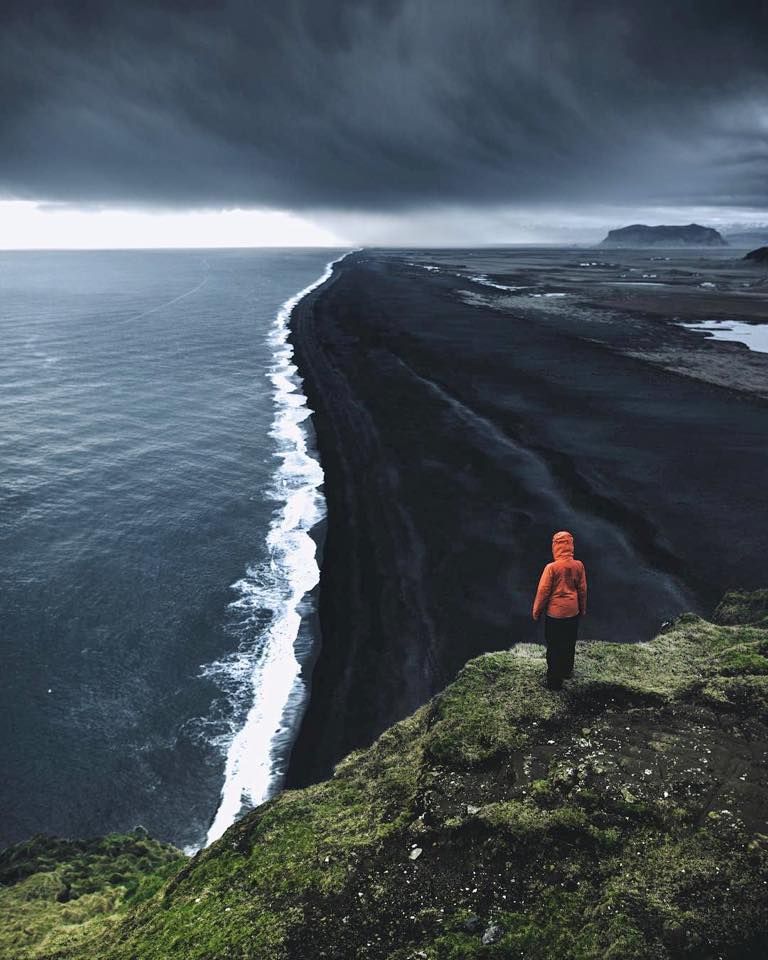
(57, 894)
(623, 818)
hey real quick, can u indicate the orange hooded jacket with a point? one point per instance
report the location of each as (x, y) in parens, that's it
(562, 588)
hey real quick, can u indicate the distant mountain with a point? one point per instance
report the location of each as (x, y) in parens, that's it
(748, 238)
(758, 256)
(641, 235)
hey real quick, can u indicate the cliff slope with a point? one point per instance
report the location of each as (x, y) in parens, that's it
(622, 818)
(759, 256)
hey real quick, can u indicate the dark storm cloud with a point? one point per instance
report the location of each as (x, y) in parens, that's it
(384, 104)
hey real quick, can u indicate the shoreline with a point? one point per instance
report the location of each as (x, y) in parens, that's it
(277, 668)
(453, 441)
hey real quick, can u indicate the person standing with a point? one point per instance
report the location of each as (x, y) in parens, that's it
(562, 597)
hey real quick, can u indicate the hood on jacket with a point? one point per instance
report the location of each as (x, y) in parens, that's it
(562, 545)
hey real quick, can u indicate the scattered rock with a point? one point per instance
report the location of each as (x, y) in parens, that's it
(415, 853)
(472, 924)
(493, 934)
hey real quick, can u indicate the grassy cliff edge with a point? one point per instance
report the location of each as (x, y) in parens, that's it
(622, 818)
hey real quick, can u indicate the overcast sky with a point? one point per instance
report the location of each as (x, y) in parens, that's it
(387, 119)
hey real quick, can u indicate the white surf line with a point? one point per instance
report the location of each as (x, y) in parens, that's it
(483, 280)
(268, 673)
(424, 266)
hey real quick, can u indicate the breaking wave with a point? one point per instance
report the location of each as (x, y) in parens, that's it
(263, 678)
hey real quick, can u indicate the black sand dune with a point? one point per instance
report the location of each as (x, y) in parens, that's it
(455, 440)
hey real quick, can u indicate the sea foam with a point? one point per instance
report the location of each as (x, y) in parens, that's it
(265, 671)
(483, 280)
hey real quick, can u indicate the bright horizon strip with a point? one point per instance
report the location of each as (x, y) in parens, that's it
(27, 225)
(32, 225)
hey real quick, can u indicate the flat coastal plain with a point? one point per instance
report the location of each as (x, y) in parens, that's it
(469, 403)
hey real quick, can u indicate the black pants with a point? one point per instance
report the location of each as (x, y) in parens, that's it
(560, 635)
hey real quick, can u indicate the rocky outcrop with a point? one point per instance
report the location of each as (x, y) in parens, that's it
(759, 256)
(640, 235)
(620, 819)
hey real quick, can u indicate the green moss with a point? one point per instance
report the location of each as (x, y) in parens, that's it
(739, 606)
(486, 713)
(554, 926)
(527, 823)
(747, 694)
(56, 894)
(746, 658)
(690, 892)
(543, 792)
(609, 820)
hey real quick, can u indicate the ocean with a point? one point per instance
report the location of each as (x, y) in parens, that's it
(158, 483)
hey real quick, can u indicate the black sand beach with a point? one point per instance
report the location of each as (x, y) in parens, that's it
(460, 424)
